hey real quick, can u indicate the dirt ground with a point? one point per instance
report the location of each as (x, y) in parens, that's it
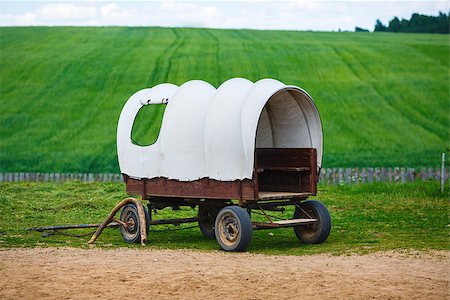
(67, 273)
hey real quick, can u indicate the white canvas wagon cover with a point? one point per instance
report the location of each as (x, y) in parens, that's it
(212, 133)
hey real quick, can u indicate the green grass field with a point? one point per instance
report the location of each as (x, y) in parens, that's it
(366, 218)
(383, 98)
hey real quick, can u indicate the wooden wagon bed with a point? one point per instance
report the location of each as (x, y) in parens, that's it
(279, 173)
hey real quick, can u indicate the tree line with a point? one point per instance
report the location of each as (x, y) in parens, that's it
(418, 23)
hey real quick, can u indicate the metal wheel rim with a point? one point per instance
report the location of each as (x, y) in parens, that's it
(131, 230)
(229, 229)
(309, 231)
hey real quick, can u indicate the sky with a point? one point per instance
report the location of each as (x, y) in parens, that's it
(284, 15)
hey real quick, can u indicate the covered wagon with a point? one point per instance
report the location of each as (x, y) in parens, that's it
(241, 147)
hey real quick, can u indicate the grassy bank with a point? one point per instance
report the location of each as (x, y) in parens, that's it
(383, 98)
(365, 218)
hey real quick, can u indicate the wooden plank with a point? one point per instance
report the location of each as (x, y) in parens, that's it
(287, 169)
(370, 175)
(340, 176)
(323, 172)
(282, 181)
(377, 173)
(294, 221)
(283, 157)
(411, 175)
(363, 175)
(312, 171)
(430, 173)
(334, 176)
(396, 176)
(281, 195)
(423, 174)
(356, 175)
(348, 176)
(329, 176)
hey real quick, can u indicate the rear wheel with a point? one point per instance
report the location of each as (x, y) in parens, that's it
(233, 228)
(206, 219)
(131, 233)
(317, 232)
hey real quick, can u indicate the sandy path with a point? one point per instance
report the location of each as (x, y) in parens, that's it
(181, 274)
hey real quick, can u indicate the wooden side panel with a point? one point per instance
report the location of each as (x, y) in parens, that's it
(203, 188)
(279, 181)
(283, 157)
(287, 170)
(281, 170)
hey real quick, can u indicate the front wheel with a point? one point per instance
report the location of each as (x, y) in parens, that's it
(233, 228)
(317, 232)
(131, 233)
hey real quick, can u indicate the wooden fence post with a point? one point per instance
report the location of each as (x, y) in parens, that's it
(328, 176)
(430, 173)
(412, 175)
(348, 176)
(376, 175)
(423, 174)
(370, 175)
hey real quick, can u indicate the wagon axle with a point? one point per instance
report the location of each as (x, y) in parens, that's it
(231, 225)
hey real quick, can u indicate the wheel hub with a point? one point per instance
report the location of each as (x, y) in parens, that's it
(130, 225)
(230, 229)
